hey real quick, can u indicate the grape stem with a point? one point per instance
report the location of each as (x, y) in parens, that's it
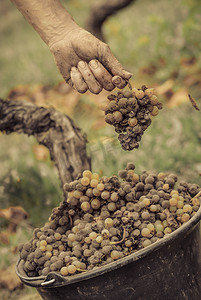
(121, 241)
(197, 195)
(81, 270)
(71, 220)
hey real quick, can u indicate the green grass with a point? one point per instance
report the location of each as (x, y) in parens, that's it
(26, 181)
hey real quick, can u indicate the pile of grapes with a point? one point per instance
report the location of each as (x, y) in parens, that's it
(130, 112)
(105, 219)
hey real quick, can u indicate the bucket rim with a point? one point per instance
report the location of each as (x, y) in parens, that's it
(47, 281)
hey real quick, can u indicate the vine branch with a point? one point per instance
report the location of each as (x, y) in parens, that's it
(100, 11)
(53, 129)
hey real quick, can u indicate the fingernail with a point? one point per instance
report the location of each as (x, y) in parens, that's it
(119, 82)
(94, 64)
(82, 64)
(116, 79)
(73, 69)
(127, 75)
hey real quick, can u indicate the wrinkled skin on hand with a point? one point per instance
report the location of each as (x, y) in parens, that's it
(86, 63)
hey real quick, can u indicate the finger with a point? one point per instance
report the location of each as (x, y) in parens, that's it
(69, 81)
(101, 75)
(110, 62)
(93, 85)
(78, 82)
(119, 82)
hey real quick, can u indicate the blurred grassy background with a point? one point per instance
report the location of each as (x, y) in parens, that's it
(159, 41)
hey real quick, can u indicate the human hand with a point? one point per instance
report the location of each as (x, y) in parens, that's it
(86, 63)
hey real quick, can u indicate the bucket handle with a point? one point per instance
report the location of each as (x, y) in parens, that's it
(45, 283)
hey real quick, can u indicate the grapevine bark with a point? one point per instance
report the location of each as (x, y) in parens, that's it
(53, 129)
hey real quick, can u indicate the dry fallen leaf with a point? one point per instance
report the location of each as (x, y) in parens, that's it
(178, 98)
(4, 237)
(165, 87)
(40, 152)
(14, 214)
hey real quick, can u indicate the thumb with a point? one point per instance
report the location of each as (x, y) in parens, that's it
(110, 62)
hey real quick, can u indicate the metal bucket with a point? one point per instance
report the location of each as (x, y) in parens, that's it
(169, 269)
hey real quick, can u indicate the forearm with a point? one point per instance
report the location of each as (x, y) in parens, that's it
(48, 17)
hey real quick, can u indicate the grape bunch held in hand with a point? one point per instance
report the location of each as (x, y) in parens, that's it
(130, 112)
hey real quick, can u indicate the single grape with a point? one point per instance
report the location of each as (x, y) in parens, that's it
(77, 194)
(153, 208)
(89, 193)
(42, 243)
(87, 173)
(179, 211)
(93, 235)
(151, 227)
(64, 271)
(185, 218)
(167, 230)
(132, 122)
(49, 248)
(166, 187)
(114, 254)
(96, 192)
(71, 237)
(118, 117)
(154, 100)
(187, 208)
(57, 236)
(145, 215)
(173, 209)
(105, 195)
(146, 243)
(105, 233)
(173, 202)
(114, 197)
(100, 187)
(111, 206)
(146, 201)
(139, 94)
(85, 206)
(95, 204)
(155, 111)
(145, 232)
(42, 248)
(149, 92)
(180, 204)
(99, 239)
(85, 181)
(87, 240)
(174, 192)
(161, 175)
(108, 222)
(136, 178)
(71, 269)
(159, 227)
(94, 182)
